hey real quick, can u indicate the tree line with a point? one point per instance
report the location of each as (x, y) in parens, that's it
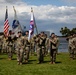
(66, 31)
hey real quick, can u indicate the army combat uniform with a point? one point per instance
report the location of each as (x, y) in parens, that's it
(53, 49)
(20, 49)
(0, 44)
(4, 44)
(26, 48)
(10, 46)
(47, 46)
(57, 44)
(40, 47)
(32, 42)
(70, 47)
(74, 47)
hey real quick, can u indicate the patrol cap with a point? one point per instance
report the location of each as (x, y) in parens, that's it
(10, 31)
(42, 32)
(19, 32)
(26, 31)
(52, 34)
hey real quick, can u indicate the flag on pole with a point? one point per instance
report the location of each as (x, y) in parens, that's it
(32, 23)
(16, 24)
(6, 23)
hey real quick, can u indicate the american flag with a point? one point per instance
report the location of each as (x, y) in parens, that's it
(6, 23)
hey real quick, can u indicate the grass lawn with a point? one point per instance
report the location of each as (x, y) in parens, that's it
(63, 66)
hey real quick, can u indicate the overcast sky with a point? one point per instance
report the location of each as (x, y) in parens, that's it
(50, 15)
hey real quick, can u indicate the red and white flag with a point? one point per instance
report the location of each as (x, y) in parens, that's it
(6, 23)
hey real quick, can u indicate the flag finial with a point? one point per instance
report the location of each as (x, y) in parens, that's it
(31, 9)
(6, 7)
(13, 7)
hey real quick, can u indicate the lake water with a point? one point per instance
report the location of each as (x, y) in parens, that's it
(63, 47)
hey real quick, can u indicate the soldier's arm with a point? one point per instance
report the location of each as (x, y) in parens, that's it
(54, 42)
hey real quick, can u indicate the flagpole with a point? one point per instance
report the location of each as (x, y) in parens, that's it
(35, 26)
(36, 29)
(15, 16)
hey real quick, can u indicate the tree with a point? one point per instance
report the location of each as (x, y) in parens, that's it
(66, 31)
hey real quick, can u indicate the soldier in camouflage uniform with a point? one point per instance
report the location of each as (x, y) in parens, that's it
(20, 48)
(40, 46)
(70, 46)
(46, 44)
(26, 47)
(53, 48)
(57, 43)
(43, 41)
(10, 45)
(0, 44)
(74, 44)
(33, 45)
(4, 44)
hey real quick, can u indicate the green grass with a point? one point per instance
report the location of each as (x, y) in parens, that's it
(63, 66)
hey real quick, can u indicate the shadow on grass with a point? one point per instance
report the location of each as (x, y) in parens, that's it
(58, 62)
(46, 61)
(29, 62)
(2, 58)
(14, 58)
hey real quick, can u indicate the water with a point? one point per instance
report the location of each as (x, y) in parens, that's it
(63, 47)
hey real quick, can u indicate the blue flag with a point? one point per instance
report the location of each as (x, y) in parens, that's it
(16, 24)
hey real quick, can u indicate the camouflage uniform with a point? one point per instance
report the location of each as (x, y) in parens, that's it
(0, 44)
(20, 49)
(57, 44)
(26, 48)
(4, 44)
(53, 49)
(43, 47)
(10, 46)
(38, 49)
(40, 46)
(70, 47)
(47, 46)
(32, 45)
(74, 47)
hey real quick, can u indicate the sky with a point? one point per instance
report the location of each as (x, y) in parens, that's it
(50, 15)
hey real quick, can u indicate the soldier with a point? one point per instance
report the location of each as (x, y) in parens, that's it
(0, 44)
(4, 45)
(41, 46)
(74, 43)
(57, 43)
(10, 45)
(27, 47)
(33, 45)
(38, 48)
(20, 48)
(42, 43)
(70, 46)
(53, 48)
(46, 44)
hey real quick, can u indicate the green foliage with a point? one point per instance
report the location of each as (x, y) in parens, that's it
(66, 31)
(63, 66)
